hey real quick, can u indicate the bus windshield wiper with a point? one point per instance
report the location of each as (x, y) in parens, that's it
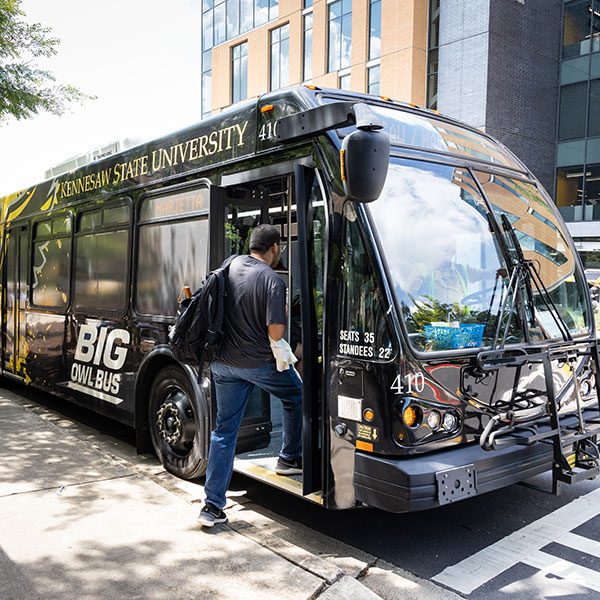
(526, 271)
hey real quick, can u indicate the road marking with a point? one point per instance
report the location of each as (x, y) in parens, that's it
(525, 543)
(583, 544)
(564, 569)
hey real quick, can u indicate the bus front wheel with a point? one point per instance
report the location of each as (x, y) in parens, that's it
(173, 415)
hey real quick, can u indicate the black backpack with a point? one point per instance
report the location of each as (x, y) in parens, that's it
(197, 333)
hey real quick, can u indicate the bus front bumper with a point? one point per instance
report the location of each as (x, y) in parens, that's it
(426, 481)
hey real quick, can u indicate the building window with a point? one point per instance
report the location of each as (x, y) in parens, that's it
(206, 82)
(223, 20)
(280, 57)
(581, 28)
(578, 192)
(373, 80)
(340, 35)
(433, 53)
(374, 29)
(594, 104)
(239, 72)
(569, 189)
(344, 80)
(220, 16)
(573, 111)
(307, 21)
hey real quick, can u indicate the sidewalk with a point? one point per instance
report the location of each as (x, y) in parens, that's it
(80, 522)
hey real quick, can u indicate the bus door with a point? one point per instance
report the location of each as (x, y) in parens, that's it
(234, 213)
(15, 300)
(279, 201)
(310, 205)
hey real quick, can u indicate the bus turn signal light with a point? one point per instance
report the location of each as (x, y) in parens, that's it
(410, 416)
(369, 415)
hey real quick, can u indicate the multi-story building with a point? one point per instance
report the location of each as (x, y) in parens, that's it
(526, 71)
(252, 46)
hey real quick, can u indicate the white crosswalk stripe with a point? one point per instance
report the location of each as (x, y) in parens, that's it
(524, 546)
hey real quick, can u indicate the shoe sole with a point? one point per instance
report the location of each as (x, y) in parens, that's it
(207, 523)
(291, 471)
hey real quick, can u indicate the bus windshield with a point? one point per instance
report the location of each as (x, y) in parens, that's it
(450, 276)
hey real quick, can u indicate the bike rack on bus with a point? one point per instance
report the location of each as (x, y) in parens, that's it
(576, 456)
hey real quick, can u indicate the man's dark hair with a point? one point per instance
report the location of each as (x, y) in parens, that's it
(263, 237)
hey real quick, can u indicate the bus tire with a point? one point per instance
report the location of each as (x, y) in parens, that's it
(173, 417)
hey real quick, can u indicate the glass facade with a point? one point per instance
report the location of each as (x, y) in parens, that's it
(432, 53)
(375, 29)
(578, 156)
(307, 43)
(373, 80)
(280, 57)
(239, 72)
(340, 35)
(344, 81)
(223, 20)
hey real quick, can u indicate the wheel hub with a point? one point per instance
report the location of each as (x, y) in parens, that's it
(175, 421)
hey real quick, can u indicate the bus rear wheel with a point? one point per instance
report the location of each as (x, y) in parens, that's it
(173, 415)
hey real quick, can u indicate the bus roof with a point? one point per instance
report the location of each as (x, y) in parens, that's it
(242, 131)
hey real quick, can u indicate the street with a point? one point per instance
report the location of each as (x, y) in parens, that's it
(519, 542)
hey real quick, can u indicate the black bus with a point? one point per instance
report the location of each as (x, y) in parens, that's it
(448, 342)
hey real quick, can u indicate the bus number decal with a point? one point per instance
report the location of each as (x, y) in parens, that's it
(415, 382)
(268, 131)
(99, 346)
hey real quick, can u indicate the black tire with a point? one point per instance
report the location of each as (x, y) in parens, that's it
(174, 418)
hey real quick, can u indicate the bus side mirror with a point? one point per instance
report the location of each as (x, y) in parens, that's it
(365, 159)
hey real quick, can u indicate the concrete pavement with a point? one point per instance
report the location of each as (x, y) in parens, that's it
(82, 516)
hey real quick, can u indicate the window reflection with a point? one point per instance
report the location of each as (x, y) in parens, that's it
(364, 331)
(239, 72)
(280, 57)
(541, 240)
(375, 29)
(340, 34)
(445, 264)
(51, 261)
(307, 56)
(373, 80)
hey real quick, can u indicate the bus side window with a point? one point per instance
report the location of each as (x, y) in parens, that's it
(51, 263)
(101, 259)
(364, 332)
(172, 249)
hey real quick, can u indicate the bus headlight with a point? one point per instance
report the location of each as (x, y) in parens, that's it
(434, 419)
(450, 421)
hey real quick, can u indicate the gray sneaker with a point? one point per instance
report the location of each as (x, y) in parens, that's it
(289, 467)
(211, 515)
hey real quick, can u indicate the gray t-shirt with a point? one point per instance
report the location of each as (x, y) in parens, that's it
(255, 299)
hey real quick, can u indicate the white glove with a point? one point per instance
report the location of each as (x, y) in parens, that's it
(284, 357)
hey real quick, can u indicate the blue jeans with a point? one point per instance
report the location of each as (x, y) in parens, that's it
(233, 386)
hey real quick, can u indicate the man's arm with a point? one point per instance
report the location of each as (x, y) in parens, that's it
(276, 331)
